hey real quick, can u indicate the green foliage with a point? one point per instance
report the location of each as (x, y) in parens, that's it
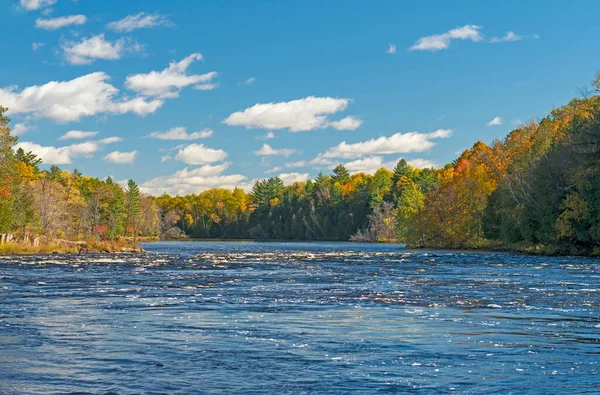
(8, 172)
(132, 207)
(265, 191)
(538, 190)
(340, 174)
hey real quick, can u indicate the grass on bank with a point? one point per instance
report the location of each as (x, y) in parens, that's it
(61, 246)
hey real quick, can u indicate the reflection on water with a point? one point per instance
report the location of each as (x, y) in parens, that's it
(293, 317)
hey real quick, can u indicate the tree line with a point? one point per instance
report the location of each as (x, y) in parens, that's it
(538, 187)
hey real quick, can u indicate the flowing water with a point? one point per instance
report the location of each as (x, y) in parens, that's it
(225, 317)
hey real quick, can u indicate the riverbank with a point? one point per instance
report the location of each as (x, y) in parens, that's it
(11, 244)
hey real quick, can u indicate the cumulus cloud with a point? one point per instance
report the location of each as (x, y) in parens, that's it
(57, 23)
(371, 164)
(36, 46)
(196, 180)
(509, 36)
(268, 136)
(421, 163)
(290, 178)
(496, 121)
(110, 140)
(180, 133)
(438, 42)
(391, 49)
(297, 115)
(89, 49)
(198, 154)
(300, 163)
(267, 150)
(60, 155)
(348, 123)
(141, 20)
(68, 101)
(274, 169)
(20, 129)
(249, 81)
(31, 5)
(77, 135)
(397, 143)
(365, 165)
(121, 157)
(170, 81)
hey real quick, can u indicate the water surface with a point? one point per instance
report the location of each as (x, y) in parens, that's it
(220, 317)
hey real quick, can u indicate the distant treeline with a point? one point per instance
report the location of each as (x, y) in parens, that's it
(539, 187)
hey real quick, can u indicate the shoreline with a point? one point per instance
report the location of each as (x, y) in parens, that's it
(531, 250)
(125, 246)
(15, 246)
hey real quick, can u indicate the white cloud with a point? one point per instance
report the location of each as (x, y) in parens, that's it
(170, 81)
(300, 163)
(371, 164)
(319, 160)
(165, 158)
(438, 42)
(89, 49)
(195, 180)
(31, 5)
(57, 23)
(290, 178)
(365, 165)
(36, 46)
(268, 136)
(121, 157)
(397, 143)
(60, 155)
(68, 101)
(421, 163)
(296, 115)
(20, 129)
(391, 49)
(77, 134)
(180, 133)
(267, 150)
(348, 123)
(198, 154)
(249, 81)
(495, 122)
(139, 21)
(206, 87)
(110, 140)
(509, 36)
(274, 169)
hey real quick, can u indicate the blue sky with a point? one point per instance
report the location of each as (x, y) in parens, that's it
(320, 83)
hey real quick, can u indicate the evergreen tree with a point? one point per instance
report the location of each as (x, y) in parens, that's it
(29, 158)
(402, 169)
(340, 174)
(132, 207)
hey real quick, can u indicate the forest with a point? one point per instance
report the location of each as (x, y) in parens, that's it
(536, 190)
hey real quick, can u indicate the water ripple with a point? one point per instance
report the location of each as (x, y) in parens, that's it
(298, 318)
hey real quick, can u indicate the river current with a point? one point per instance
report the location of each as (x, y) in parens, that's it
(226, 317)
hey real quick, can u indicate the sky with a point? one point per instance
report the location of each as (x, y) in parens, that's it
(184, 96)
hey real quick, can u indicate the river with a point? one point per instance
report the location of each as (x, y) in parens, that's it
(228, 317)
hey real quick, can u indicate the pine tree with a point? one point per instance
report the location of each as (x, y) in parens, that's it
(340, 174)
(132, 207)
(402, 169)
